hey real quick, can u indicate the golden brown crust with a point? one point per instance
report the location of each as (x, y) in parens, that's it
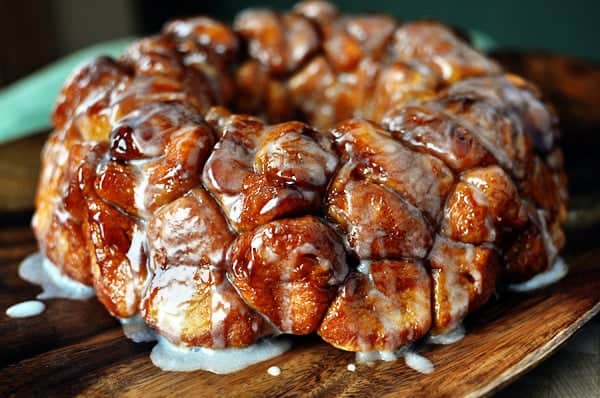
(381, 311)
(289, 270)
(196, 306)
(464, 278)
(377, 222)
(260, 173)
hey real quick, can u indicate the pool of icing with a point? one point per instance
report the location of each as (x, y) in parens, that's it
(26, 309)
(553, 274)
(37, 269)
(136, 330)
(170, 357)
(450, 337)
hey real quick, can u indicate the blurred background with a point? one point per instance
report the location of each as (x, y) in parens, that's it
(34, 33)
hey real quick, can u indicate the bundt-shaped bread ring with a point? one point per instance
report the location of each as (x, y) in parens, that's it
(416, 177)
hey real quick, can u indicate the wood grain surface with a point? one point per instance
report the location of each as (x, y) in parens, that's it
(75, 348)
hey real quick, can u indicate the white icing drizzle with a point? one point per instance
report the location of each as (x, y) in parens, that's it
(458, 296)
(288, 268)
(170, 357)
(175, 292)
(451, 337)
(351, 367)
(553, 274)
(26, 309)
(37, 269)
(391, 317)
(480, 198)
(141, 187)
(220, 308)
(372, 356)
(276, 201)
(274, 371)
(551, 250)
(136, 330)
(135, 252)
(297, 158)
(411, 358)
(364, 267)
(418, 362)
(484, 136)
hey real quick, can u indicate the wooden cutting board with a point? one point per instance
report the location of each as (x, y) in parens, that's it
(75, 348)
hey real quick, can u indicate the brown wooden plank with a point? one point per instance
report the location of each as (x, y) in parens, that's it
(58, 372)
(63, 322)
(506, 338)
(571, 372)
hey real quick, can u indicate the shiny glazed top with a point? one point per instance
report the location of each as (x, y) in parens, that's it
(415, 177)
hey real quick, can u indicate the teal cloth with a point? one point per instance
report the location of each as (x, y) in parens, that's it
(26, 105)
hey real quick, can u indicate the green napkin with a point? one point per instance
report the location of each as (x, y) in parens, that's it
(26, 105)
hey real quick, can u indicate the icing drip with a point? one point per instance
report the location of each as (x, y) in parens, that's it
(274, 371)
(450, 337)
(372, 356)
(220, 308)
(551, 250)
(411, 358)
(26, 309)
(418, 362)
(553, 274)
(136, 330)
(37, 269)
(228, 360)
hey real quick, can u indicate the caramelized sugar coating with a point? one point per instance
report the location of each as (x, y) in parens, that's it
(384, 306)
(60, 224)
(321, 12)
(437, 47)
(398, 84)
(115, 243)
(204, 35)
(434, 132)
(156, 155)
(289, 271)
(420, 178)
(189, 231)
(277, 170)
(196, 306)
(464, 278)
(223, 180)
(526, 256)
(206, 46)
(189, 299)
(484, 204)
(377, 222)
(280, 42)
(85, 96)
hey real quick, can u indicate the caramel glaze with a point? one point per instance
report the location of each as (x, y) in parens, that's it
(419, 178)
